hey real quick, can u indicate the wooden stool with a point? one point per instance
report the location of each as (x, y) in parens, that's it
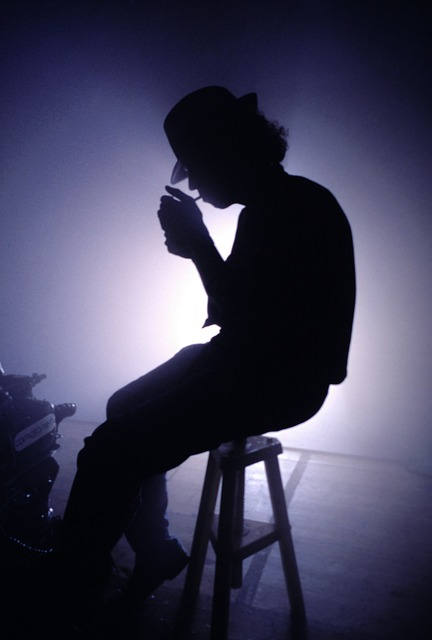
(231, 546)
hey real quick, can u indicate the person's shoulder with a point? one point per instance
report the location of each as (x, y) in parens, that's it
(312, 193)
(306, 186)
(316, 201)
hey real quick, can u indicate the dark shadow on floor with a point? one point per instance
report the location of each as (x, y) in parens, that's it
(362, 530)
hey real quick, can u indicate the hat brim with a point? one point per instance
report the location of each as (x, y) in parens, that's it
(179, 172)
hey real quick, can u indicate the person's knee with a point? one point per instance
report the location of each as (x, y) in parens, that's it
(86, 458)
(102, 449)
(113, 405)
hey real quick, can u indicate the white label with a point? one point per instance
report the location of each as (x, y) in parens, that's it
(34, 432)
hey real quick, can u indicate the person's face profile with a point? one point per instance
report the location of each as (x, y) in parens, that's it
(217, 175)
(213, 182)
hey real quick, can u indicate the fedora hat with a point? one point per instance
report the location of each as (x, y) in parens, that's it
(202, 121)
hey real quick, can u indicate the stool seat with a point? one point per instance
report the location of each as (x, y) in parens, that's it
(233, 538)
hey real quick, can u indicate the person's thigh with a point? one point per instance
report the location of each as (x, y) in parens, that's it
(208, 407)
(159, 434)
(159, 381)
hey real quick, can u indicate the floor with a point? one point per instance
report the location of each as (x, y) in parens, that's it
(362, 531)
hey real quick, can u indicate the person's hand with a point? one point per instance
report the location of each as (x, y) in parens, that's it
(182, 222)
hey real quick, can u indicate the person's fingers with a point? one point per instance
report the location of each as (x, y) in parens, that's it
(178, 193)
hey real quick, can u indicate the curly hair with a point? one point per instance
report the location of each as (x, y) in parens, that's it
(271, 139)
(251, 137)
(263, 139)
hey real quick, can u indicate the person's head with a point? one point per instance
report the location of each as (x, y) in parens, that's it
(222, 143)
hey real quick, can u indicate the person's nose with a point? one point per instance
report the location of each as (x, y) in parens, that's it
(193, 183)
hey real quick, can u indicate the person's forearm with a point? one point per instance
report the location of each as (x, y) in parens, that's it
(210, 265)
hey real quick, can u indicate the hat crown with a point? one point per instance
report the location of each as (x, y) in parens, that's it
(205, 117)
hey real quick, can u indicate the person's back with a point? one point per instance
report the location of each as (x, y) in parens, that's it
(288, 299)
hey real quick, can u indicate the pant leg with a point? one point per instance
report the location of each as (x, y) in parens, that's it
(211, 406)
(149, 526)
(156, 382)
(127, 455)
(130, 448)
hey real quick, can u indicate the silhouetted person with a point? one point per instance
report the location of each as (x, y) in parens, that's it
(284, 302)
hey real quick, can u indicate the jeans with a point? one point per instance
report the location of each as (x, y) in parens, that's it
(195, 401)
(148, 528)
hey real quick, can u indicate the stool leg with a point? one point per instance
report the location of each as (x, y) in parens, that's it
(286, 545)
(224, 549)
(238, 529)
(199, 549)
